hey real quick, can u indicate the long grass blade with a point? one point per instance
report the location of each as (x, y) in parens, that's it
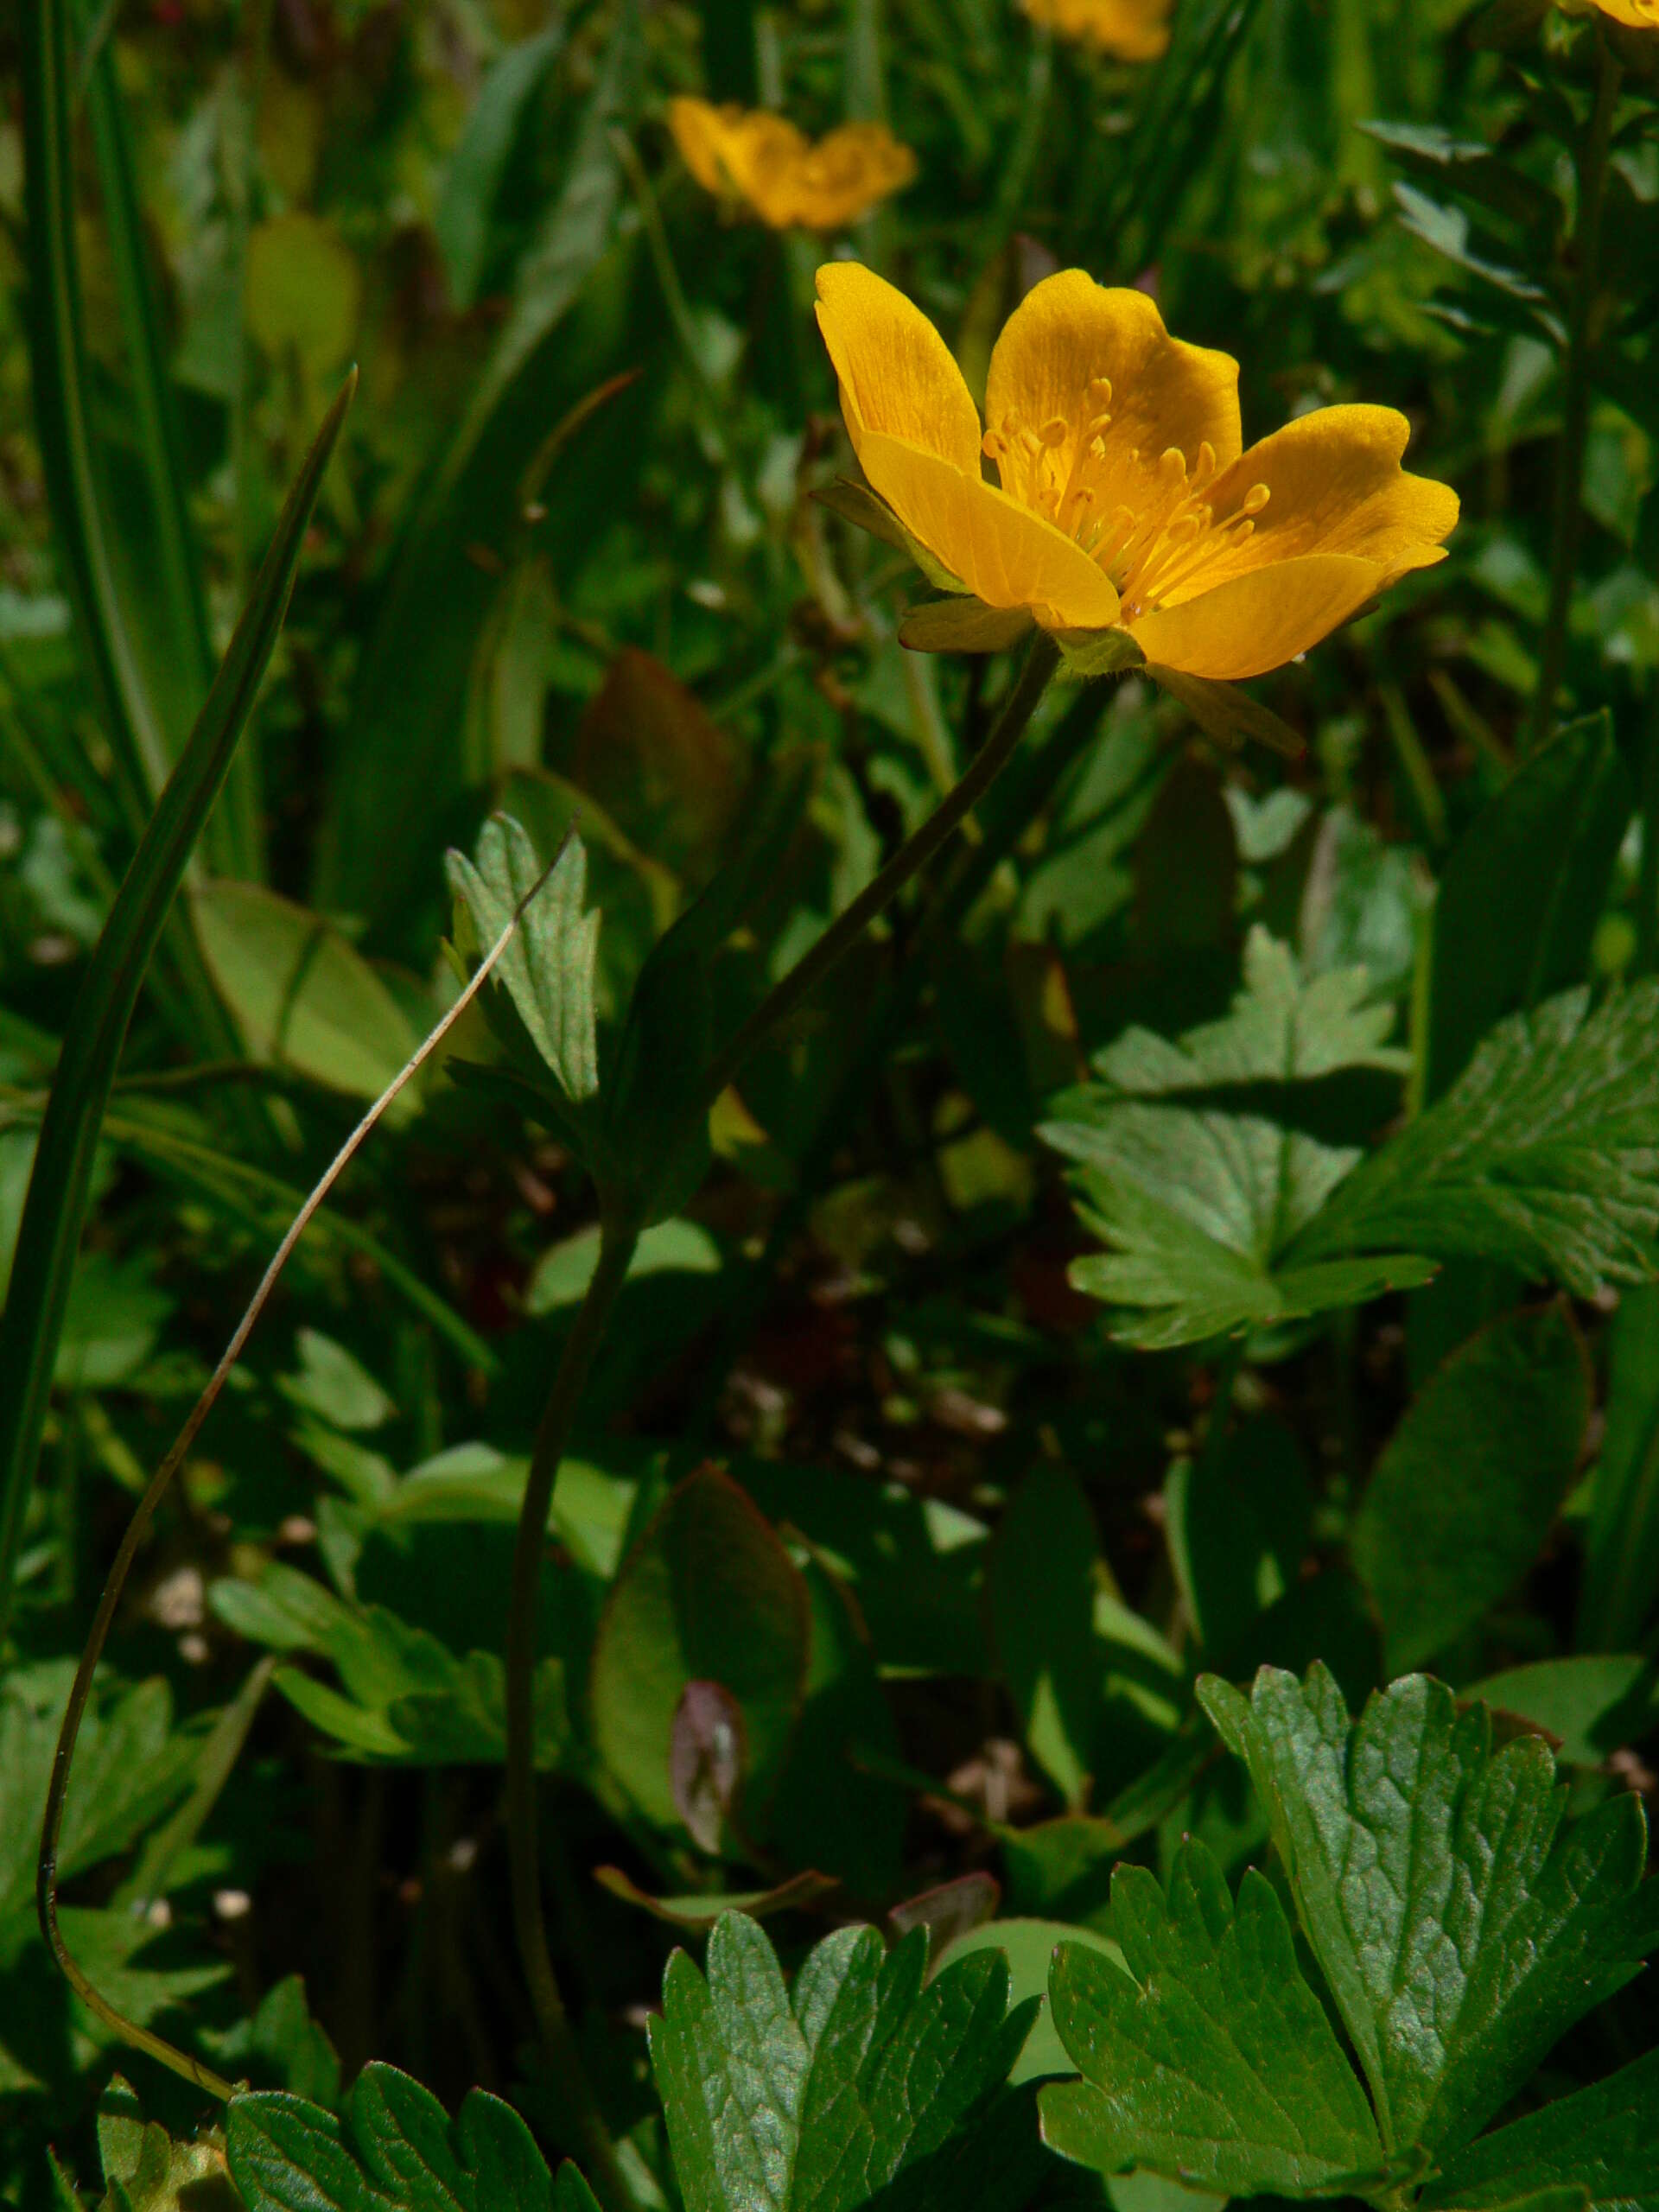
(60, 382)
(46, 1882)
(50, 1230)
(175, 642)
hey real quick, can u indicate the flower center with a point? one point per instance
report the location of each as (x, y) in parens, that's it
(1066, 470)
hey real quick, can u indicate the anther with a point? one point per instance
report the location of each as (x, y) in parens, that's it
(1053, 432)
(1100, 391)
(1254, 499)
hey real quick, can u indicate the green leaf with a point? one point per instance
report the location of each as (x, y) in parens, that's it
(708, 1594)
(1590, 1704)
(1029, 1946)
(962, 626)
(1200, 1203)
(154, 547)
(56, 1204)
(146, 2171)
(563, 1272)
(1211, 2061)
(301, 996)
(1621, 1576)
(393, 2148)
(547, 969)
(61, 387)
(1600, 2141)
(1462, 1928)
(1042, 1578)
(815, 2104)
(461, 222)
(1470, 1483)
(1470, 167)
(1544, 1155)
(1238, 1521)
(131, 1766)
(280, 2045)
(830, 1814)
(1448, 231)
(405, 1697)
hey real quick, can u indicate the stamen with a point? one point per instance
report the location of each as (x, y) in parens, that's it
(1054, 432)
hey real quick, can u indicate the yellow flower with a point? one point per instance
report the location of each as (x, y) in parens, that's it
(1125, 502)
(1130, 30)
(1636, 14)
(764, 160)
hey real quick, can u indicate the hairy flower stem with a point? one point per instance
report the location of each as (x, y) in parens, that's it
(1583, 337)
(594, 2149)
(912, 855)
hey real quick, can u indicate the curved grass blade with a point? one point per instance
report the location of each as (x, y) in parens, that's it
(57, 373)
(171, 635)
(46, 1874)
(50, 1231)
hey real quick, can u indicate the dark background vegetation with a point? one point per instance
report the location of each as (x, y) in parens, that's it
(864, 1314)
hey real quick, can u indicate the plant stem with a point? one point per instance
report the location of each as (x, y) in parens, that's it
(914, 854)
(595, 2148)
(1647, 886)
(1583, 337)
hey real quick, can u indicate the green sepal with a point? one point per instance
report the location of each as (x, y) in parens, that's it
(1225, 713)
(962, 626)
(858, 504)
(1098, 652)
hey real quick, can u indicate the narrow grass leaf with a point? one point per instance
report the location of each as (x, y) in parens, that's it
(49, 1234)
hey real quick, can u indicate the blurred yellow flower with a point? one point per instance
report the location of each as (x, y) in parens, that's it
(763, 160)
(1130, 30)
(1126, 500)
(1638, 15)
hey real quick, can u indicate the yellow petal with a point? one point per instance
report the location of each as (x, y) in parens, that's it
(1069, 332)
(1253, 623)
(765, 153)
(844, 175)
(1004, 554)
(700, 131)
(1336, 487)
(897, 374)
(1640, 15)
(1131, 30)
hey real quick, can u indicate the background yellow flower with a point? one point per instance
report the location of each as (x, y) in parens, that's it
(1130, 30)
(1638, 15)
(784, 178)
(1125, 500)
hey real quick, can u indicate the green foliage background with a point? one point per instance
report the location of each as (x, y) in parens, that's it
(1205, 1227)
